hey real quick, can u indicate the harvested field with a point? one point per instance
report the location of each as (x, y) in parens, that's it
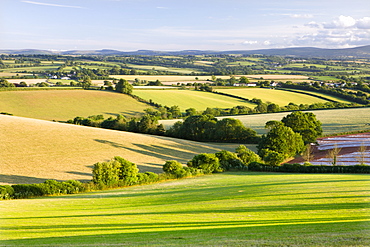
(35, 150)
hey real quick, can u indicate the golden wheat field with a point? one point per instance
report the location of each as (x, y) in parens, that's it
(35, 150)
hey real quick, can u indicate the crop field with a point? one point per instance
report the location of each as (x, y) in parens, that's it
(190, 99)
(333, 121)
(321, 95)
(35, 150)
(279, 97)
(231, 209)
(62, 105)
(166, 78)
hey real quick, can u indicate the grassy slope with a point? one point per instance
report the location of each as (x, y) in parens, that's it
(333, 121)
(279, 97)
(35, 150)
(62, 105)
(232, 209)
(186, 99)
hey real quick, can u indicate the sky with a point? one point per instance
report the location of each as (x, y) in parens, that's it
(172, 25)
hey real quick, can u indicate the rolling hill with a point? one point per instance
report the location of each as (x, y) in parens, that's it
(35, 150)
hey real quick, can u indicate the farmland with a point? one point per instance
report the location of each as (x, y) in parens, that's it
(62, 105)
(231, 209)
(279, 97)
(333, 121)
(36, 150)
(190, 99)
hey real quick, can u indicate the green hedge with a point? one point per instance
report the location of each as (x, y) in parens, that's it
(299, 168)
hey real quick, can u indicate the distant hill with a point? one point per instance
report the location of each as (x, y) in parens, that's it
(357, 52)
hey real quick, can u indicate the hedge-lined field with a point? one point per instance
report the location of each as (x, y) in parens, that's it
(191, 99)
(62, 105)
(33, 151)
(333, 120)
(230, 209)
(281, 97)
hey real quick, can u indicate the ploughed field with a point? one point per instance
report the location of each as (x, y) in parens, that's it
(229, 209)
(33, 151)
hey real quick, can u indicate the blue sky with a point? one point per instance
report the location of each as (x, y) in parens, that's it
(129, 25)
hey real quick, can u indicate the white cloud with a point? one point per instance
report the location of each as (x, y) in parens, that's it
(364, 23)
(306, 16)
(341, 22)
(267, 42)
(53, 5)
(250, 42)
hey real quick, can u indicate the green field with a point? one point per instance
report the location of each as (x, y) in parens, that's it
(62, 105)
(280, 97)
(333, 121)
(190, 99)
(337, 99)
(230, 209)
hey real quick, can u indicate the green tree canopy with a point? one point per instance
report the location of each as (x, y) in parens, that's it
(124, 87)
(305, 124)
(281, 139)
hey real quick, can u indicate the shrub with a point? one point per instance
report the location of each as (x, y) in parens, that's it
(6, 192)
(172, 166)
(246, 155)
(106, 173)
(128, 171)
(229, 160)
(208, 163)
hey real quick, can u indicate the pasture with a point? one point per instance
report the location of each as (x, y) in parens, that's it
(190, 99)
(35, 150)
(279, 97)
(62, 105)
(230, 209)
(333, 120)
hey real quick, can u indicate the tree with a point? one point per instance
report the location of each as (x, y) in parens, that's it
(243, 80)
(229, 160)
(128, 171)
(209, 163)
(308, 153)
(86, 82)
(305, 124)
(172, 166)
(5, 83)
(281, 139)
(124, 87)
(230, 129)
(333, 154)
(272, 158)
(246, 155)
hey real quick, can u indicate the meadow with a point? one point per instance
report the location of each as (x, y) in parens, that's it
(33, 151)
(190, 99)
(230, 209)
(62, 105)
(280, 97)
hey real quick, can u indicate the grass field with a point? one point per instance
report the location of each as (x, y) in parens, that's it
(62, 105)
(35, 150)
(279, 97)
(190, 99)
(231, 209)
(333, 121)
(338, 99)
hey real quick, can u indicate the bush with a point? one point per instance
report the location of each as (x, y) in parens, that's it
(208, 163)
(229, 161)
(172, 166)
(107, 173)
(246, 155)
(6, 192)
(128, 171)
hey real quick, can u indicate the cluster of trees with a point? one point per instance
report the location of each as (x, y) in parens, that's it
(288, 137)
(208, 128)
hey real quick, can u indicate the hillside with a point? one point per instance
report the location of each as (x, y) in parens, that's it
(62, 105)
(360, 52)
(228, 209)
(35, 150)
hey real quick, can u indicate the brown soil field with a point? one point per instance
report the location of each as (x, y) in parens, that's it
(35, 150)
(348, 147)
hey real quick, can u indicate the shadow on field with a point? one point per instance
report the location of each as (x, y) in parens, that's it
(15, 179)
(294, 232)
